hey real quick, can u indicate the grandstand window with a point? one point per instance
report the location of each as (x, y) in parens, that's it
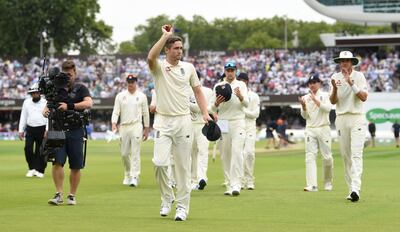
(382, 6)
(340, 2)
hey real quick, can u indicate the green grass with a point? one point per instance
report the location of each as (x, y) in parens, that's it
(277, 204)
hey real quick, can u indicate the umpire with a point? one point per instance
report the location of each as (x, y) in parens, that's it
(32, 126)
(78, 100)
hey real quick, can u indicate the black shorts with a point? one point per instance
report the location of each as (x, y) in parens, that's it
(73, 149)
(396, 135)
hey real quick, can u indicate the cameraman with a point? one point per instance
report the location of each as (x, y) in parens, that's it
(78, 100)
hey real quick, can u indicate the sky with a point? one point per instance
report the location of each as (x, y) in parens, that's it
(125, 15)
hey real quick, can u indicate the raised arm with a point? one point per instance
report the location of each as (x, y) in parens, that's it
(155, 51)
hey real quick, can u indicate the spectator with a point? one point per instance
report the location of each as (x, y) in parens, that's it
(372, 130)
(271, 134)
(270, 72)
(396, 129)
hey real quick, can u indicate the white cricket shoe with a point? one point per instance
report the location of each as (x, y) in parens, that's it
(235, 191)
(30, 173)
(165, 209)
(126, 180)
(180, 214)
(228, 192)
(195, 187)
(311, 189)
(38, 174)
(134, 182)
(71, 200)
(328, 186)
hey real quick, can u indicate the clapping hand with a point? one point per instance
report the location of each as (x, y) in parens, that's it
(302, 101)
(312, 96)
(333, 82)
(346, 75)
(238, 93)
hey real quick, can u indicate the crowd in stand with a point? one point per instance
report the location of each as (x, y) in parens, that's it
(270, 72)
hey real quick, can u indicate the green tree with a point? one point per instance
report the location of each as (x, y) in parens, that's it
(72, 24)
(127, 47)
(228, 34)
(260, 40)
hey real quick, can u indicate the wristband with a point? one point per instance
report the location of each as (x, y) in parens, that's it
(70, 106)
(355, 89)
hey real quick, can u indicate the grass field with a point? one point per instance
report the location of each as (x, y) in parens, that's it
(277, 204)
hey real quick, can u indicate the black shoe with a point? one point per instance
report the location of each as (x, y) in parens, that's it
(202, 184)
(354, 196)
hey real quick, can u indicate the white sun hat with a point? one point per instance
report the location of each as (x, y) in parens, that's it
(346, 55)
(34, 88)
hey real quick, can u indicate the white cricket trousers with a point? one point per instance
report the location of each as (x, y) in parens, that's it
(249, 157)
(199, 154)
(131, 138)
(351, 129)
(231, 149)
(173, 131)
(314, 138)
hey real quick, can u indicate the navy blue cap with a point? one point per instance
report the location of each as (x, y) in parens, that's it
(224, 90)
(243, 76)
(131, 78)
(313, 79)
(211, 131)
(230, 65)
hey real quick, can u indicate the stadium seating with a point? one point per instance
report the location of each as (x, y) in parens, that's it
(270, 72)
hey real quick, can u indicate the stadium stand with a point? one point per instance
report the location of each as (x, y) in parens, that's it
(271, 72)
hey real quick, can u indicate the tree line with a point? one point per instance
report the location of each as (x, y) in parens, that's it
(229, 34)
